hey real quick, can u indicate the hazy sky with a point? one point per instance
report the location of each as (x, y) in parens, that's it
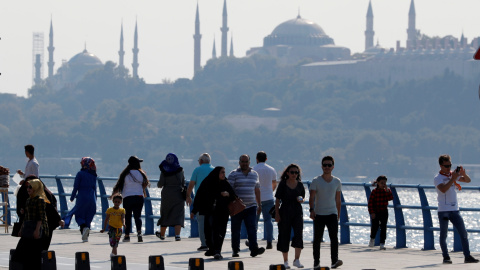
(166, 29)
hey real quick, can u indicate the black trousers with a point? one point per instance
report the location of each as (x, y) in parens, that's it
(380, 220)
(319, 224)
(285, 226)
(133, 204)
(215, 229)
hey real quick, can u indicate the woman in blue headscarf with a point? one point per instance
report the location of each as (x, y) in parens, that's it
(172, 208)
(84, 191)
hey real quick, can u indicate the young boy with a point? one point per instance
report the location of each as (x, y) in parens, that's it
(115, 220)
(377, 207)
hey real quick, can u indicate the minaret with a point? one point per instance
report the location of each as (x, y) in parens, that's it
(411, 31)
(231, 47)
(224, 29)
(369, 33)
(50, 51)
(38, 65)
(214, 51)
(135, 53)
(196, 50)
(121, 53)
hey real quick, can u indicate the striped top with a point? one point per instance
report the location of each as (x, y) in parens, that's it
(244, 185)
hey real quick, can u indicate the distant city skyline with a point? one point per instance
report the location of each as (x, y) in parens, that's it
(166, 29)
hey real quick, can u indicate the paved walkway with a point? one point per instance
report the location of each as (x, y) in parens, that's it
(176, 254)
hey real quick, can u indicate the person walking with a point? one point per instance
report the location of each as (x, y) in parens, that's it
(85, 195)
(289, 216)
(267, 177)
(132, 183)
(172, 208)
(377, 207)
(244, 181)
(446, 186)
(115, 221)
(198, 175)
(34, 228)
(325, 205)
(212, 199)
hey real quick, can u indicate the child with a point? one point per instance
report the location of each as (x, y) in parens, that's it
(115, 220)
(377, 207)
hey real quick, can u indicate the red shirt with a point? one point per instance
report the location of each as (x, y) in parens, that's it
(378, 200)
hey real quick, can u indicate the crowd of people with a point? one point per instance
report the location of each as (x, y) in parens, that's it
(256, 188)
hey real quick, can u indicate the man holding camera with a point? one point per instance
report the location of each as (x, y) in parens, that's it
(446, 185)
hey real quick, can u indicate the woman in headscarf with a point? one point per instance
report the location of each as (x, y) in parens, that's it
(85, 193)
(172, 208)
(211, 200)
(34, 213)
(132, 183)
(53, 217)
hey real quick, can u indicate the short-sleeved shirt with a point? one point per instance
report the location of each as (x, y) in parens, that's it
(266, 174)
(244, 185)
(115, 217)
(31, 168)
(325, 203)
(200, 173)
(446, 201)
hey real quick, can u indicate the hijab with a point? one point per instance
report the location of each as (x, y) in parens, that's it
(88, 165)
(170, 164)
(37, 187)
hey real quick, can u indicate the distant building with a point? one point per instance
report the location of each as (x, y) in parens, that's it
(300, 39)
(423, 57)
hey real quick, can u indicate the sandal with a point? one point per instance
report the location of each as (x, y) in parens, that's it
(159, 235)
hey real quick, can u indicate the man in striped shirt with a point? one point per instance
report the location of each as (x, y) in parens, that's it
(244, 182)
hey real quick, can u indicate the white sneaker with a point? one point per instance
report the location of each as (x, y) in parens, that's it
(372, 242)
(297, 264)
(382, 247)
(286, 265)
(85, 233)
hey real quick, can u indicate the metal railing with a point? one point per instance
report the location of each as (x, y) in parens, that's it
(400, 227)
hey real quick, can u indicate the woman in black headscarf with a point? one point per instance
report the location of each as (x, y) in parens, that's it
(211, 200)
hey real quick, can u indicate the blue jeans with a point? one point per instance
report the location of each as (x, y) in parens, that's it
(249, 216)
(267, 220)
(201, 229)
(457, 221)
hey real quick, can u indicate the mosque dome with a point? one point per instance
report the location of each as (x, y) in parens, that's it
(298, 31)
(85, 59)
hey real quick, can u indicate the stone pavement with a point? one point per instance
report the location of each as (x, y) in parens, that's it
(177, 253)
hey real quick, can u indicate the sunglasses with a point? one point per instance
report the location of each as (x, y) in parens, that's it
(294, 172)
(29, 187)
(327, 165)
(447, 166)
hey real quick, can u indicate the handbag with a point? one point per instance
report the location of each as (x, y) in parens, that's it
(236, 206)
(29, 227)
(16, 229)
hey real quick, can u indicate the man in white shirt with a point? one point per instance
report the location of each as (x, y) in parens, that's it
(32, 164)
(446, 184)
(268, 183)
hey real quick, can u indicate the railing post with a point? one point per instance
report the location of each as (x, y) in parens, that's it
(399, 220)
(457, 241)
(193, 221)
(344, 229)
(103, 199)
(428, 240)
(149, 225)
(61, 198)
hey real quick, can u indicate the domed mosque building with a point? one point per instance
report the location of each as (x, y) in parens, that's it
(299, 40)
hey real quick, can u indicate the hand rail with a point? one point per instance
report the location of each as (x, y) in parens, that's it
(401, 228)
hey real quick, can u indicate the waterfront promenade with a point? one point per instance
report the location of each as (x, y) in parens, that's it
(176, 254)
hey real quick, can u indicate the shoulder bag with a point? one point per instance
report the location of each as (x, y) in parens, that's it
(236, 206)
